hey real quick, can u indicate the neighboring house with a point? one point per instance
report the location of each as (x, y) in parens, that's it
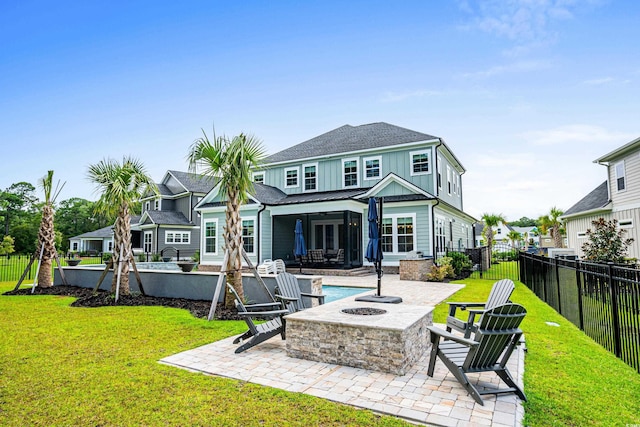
(169, 224)
(529, 235)
(326, 182)
(97, 241)
(501, 234)
(616, 198)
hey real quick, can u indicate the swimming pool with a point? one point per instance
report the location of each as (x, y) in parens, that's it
(333, 293)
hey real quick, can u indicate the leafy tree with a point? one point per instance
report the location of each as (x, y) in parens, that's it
(551, 224)
(606, 242)
(524, 222)
(231, 161)
(6, 246)
(18, 199)
(47, 234)
(76, 216)
(491, 220)
(121, 185)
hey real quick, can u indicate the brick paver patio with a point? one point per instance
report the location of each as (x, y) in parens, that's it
(439, 400)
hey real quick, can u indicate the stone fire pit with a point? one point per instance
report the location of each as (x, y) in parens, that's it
(387, 342)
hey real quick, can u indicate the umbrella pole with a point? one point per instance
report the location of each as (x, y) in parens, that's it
(379, 263)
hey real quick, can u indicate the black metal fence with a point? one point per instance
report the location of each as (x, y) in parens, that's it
(501, 263)
(12, 266)
(603, 300)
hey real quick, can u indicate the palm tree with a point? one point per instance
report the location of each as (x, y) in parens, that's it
(121, 186)
(514, 237)
(231, 161)
(46, 233)
(551, 224)
(491, 220)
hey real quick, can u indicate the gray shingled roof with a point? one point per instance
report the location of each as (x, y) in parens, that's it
(598, 198)
(101, 233)
(267, 194)
(350, 138)
(325, 196)
(194, 182)
(168, 218)
(162, 189)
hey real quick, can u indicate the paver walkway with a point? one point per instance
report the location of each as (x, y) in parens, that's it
(439, 400)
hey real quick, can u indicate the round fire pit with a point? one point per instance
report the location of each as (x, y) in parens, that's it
(364, 311)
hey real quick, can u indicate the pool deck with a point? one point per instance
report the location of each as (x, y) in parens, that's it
(439, 400)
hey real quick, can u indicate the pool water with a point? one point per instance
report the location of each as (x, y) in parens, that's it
(334, 293)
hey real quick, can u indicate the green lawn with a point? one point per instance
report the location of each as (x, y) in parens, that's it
(73, 366)
(569, 379)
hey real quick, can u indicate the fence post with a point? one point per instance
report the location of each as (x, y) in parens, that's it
(614, 310)
(578, 282)
(557, 271)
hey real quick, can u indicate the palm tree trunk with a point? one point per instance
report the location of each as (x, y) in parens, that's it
(557, 236)
(122, 236)
(233, 239)
(46, 237)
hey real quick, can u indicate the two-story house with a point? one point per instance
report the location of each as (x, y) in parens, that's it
(616, 198)
(327, 181)
(169, 224)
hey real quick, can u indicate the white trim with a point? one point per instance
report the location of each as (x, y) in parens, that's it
(392, 177)
(394, 232)
(304, 178)
(157, 205)
(449, 180)
(357, 172)
(364, 167)
(439, 184)
(174, 233)
(429, 154)
(297, 170)
(203, 237)
(336, 236)
(144, 241)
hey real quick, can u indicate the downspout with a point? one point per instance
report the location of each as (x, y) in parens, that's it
(260, 233)
(437, 165)
(433, 212)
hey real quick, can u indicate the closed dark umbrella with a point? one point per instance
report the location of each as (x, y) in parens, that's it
(299, 249)
(374, 247)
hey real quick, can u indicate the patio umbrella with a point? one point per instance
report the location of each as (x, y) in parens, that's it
(374, 250)
(374, 253)
(299, 249)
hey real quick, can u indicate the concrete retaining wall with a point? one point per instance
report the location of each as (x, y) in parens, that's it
(196, 285)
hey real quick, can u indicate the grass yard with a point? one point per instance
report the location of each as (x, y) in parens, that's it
(569, 379)
(73, 366)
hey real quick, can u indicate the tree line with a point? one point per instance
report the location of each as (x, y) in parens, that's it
(21, 214)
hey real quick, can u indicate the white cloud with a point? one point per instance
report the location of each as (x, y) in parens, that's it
(515, 67)
(597, 82)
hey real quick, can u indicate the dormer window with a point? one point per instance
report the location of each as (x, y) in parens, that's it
(420, 162)
(147, 206)
(350, 173)
(156, 204)
(620, 176)
(291, 178)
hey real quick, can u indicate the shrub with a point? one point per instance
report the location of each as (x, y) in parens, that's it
(606, 242)
(436, 274)
(446, 264)
(142, 258)
(460, 262)
(156, 258)
(196, 256)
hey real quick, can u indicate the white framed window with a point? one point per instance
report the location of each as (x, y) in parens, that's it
(420, 162)
(291, 177)
(310, 176)
(372, 167)
(110, 246)
(210, 241)
(582, 234)
(458, 188)
(148, 242)
(156, 204)
(349, 173)
(620, 176)
(177, 237)
(398, 233)
(448, 180)
(439, 172)
(147, 205)
(75, 246)
(625, 223)
(249, 235)
(258, 177)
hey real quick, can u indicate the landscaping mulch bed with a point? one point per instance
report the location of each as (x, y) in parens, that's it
(86, 298)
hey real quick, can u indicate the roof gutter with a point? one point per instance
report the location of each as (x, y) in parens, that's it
(262, 209)
(437, 166)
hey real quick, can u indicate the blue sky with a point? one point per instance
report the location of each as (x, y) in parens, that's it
(527, 93)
